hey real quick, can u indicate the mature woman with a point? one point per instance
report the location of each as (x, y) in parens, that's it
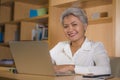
(78, 54)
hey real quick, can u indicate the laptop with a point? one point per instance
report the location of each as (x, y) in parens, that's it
(32, 57)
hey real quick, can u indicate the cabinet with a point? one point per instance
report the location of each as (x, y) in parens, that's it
(100, 28)
(16, 23)
(117, 27)
(17, 18)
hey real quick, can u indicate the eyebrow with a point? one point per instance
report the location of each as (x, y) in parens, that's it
(70, 23)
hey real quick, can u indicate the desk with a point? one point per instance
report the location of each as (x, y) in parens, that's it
(7, 74)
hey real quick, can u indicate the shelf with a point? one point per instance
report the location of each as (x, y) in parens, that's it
(101, 20)
(7, 44)
(4, 44)
(61, 3)
(81, 3)
(37, 2)
(7, 65)
(42, 19)
(93, 3)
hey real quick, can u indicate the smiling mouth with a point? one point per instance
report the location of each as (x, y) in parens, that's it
(72, 34)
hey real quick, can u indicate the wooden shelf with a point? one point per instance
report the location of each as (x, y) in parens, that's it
(7, 65)
(101, 20)
(93, 3)
(7, 44)
(42, 19)
(80, 3)
(37, 2)
(62, 3)
(4, 44)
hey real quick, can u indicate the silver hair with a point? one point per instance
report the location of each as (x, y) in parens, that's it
(77, 12)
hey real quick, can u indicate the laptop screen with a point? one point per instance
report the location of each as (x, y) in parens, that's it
(32, 57)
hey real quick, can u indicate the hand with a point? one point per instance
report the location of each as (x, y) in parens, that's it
(64, 68)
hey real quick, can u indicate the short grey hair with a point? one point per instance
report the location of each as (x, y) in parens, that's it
(77, 12)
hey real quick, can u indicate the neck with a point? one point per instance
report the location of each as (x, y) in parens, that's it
(78, 43)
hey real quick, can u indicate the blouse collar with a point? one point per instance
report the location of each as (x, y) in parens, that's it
(85, 46)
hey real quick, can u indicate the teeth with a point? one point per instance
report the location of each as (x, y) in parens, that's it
(71, 35)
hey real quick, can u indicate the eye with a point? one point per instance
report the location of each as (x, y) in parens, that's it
(74, 25)
(65, 26)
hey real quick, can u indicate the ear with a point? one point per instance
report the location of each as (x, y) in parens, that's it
(85, 27)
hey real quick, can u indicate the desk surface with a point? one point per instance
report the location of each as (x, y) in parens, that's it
(7, 74)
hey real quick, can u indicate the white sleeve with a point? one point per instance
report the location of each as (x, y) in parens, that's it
(54, 51)
(102, 63)
(96, 70)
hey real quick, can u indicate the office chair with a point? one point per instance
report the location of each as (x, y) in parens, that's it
(115, 66)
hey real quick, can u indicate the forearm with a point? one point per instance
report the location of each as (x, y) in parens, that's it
(64, 68)
(93, 70)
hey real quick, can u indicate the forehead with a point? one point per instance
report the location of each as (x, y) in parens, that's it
(70, 18)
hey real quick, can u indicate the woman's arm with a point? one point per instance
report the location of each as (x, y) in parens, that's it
(101, 59)
(64, 68)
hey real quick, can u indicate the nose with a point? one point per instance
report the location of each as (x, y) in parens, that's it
(70, 28)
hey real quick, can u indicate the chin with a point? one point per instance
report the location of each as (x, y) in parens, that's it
(72, 40)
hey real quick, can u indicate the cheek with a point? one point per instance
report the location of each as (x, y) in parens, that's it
(82, 28)
(65, 31)
(81, 31)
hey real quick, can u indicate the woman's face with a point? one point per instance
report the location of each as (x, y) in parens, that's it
(73, 28)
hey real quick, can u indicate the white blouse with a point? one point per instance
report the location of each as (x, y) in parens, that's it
(90, 58)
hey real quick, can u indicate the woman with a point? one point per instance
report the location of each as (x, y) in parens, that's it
(79, 54)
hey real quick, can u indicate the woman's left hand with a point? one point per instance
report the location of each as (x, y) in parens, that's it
(64, 68)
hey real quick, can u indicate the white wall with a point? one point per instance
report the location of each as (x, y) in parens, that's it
(117, 30)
